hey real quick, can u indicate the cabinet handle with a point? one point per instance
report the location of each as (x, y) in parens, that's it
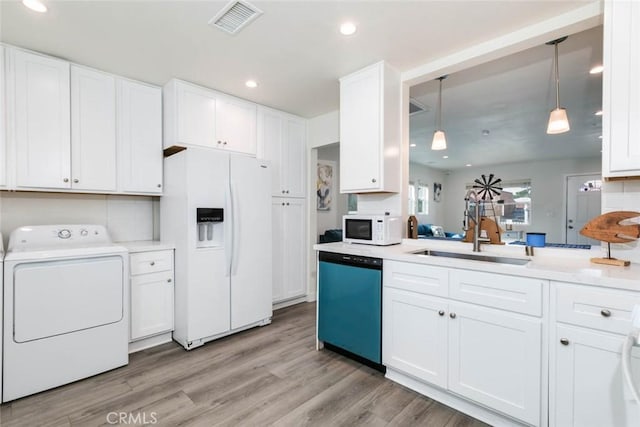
(159, 185)
(66, 180)
(169, 280)
(605, 312)
(152, 263)
(452, 315)
(564, 341)
(76, 180)
(373, 180)
(441, 312)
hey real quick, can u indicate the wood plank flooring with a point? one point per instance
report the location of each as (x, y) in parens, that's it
(265, 376)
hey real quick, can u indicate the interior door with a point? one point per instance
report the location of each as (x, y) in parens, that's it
(583, 204)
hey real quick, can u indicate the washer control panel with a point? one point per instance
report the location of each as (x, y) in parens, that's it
(44, 236)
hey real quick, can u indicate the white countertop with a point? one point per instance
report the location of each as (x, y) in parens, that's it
(563, 265)
(147, 246)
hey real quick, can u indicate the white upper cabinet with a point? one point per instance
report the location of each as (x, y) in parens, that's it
(194, 115)
(40, 111)
(139, 137)
(621, 90)
(236, 124)
(282, 140)
(93, 130)
(3, 127)
(370, 130)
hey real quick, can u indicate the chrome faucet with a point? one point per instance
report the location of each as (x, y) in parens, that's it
(475, 218)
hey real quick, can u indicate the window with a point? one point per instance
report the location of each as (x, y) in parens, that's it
(512, 206)
(418, 199)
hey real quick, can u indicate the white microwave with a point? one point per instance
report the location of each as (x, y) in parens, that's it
(372, 229)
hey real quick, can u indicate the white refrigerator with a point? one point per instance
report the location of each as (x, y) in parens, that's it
(216, 208)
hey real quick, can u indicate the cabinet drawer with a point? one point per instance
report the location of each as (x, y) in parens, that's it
(518, 294)
(151, 262)
(423, 279)
(604, 309)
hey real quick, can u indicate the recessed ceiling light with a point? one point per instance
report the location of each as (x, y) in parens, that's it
(445, 157)
(596, 70)
(412, 145)
(485, 132)
(251, 83)
(468, 164)
(598, 113)
(36, 5)
(348, 28)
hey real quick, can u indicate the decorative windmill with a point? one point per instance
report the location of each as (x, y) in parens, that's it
(487, 189)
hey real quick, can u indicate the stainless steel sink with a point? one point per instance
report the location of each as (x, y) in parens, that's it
(475, 257)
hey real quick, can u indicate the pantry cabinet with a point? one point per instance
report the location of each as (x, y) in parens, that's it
(475, 344)
(586, 382)
(3, 133)
(198, 116)
(93, 130)
(139, 138)
(289, 248)
(621, 90)
(370, 142)
(40, 105)
(282, 140)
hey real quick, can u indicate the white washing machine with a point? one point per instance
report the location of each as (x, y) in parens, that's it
(66, 312)
(1, 278)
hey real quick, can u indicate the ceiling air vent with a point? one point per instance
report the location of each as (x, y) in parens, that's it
(416, 107)
(235, 16)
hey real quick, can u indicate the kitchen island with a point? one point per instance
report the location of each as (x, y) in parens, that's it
(532, 344)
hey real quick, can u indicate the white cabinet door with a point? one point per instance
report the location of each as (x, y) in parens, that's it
(270, 136)
(41, 120)
(414, 338)
(195, 115)
(139, 137)
(621, 89)
(360, 131)
(495, 359)
(236, 125)
(587, 388)
(289, 248)
(151, 304)
(295, 162)
(3, 133)
(93, 130)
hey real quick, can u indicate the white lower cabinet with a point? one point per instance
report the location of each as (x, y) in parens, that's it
(485, 355)
(586, 382)
(289, 248)
(151, 293)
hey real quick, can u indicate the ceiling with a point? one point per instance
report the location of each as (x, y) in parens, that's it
(293, 50)
(511, 98)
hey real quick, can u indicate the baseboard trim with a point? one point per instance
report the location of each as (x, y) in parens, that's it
(149, 342)
(282, 304)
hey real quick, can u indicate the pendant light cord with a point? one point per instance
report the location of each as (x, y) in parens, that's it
(557, 78)
(439, 113)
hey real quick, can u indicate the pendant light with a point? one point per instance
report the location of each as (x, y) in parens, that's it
(439, 141)
(558, 120)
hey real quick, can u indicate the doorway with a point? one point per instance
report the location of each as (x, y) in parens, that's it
(583, 204)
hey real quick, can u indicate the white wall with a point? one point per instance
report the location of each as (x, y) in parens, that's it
(421, 174)
(127, 218)
(332, 218)
(547, 191)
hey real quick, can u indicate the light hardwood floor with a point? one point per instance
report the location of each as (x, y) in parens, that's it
(265, 376)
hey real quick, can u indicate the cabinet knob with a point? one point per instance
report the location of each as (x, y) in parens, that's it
(441, 312)
(287, 191)
(76, 180)
(66, 180)
(287, 203)
(564, 341)
(159, 185)
(605, 312)
(219, 142)
(169, 280)
(282, 203)
(224, 143)
(452, 315)
(373, 180)
(283, 191)
(152, 263)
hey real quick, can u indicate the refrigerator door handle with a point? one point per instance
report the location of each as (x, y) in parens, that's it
(228, 238)
(236, 230)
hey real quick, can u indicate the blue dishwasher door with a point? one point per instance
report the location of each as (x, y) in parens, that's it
(350, 310)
